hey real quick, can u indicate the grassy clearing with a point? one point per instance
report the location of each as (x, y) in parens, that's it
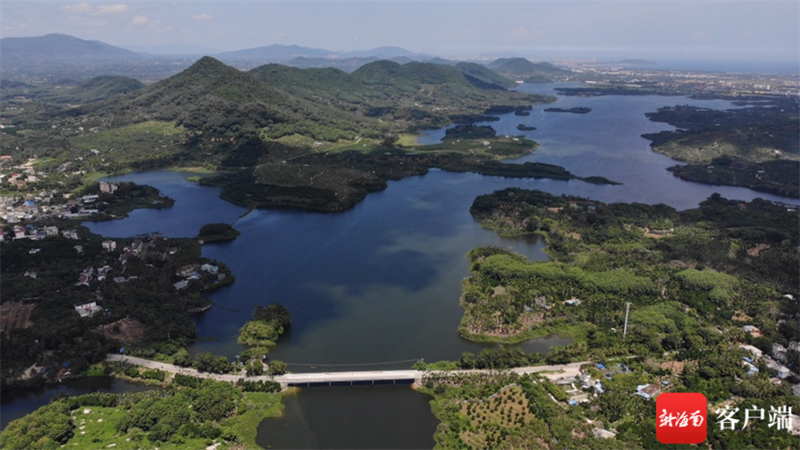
(194, 169)
(95, 427)
(408, 140)
(253, 408)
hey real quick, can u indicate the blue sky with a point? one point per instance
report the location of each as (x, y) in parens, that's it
(537, 29)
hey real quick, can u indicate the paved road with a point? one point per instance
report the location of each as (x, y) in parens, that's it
(554, 371)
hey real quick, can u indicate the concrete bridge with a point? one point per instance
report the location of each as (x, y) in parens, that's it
(371, 377)
(354, 378)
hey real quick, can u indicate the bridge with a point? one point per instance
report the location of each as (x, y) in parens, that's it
(353, 378)
(371, 377)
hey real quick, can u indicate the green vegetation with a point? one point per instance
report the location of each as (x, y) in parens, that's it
(505, 410)
(722, 259)
(775, 177)
(268, 324)
(127, 196)
(252, 409)
(191, 413)
(470, 132)
(693, 278)
(752, 133)
(523, 127)
(410, 96)
(214, 232)
(522, 69)
(285, 134)
(576, 110)
(133, 285)
(338, 180)
(100, 88)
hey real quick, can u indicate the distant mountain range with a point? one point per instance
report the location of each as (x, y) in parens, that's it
(59, 56)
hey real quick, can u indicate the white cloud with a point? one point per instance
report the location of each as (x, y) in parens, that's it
(203, 17)
(116, 8)
(139, 20)
(80, 7)
(112, 9)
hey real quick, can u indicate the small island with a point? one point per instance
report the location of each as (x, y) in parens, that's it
(576, 110)
(216, 232)
(523, 127)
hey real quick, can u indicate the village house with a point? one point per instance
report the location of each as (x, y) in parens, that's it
(88, 309)
(780, 370)
(85, 277)
(209, 268)
(779, 352)
(187, 271)
(753, 330)
(181, 284)
(751, 368)
(109, 245)
(648, 391)
(754, 350)
(70, 234)
(136, 246)
(19, 232)
(108, 188)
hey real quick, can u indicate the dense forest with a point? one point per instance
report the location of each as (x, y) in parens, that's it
(134, 291)
(692, 279)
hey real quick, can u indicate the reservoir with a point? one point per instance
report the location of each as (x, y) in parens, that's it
(378, 286)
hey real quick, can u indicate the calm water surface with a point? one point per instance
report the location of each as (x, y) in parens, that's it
(371, 417)
(378, 286)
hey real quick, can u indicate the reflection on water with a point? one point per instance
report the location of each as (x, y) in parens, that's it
(351, 417)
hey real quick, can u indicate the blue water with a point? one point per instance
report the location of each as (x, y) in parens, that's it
(379, 285)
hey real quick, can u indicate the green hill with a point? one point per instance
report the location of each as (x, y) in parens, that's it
(482, 76)
(212, 97)
(413, 95)
(101, 88)
(522, 69)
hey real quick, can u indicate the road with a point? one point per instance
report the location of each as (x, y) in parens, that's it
(553, 372)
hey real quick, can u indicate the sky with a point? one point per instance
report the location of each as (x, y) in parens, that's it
(720, 30)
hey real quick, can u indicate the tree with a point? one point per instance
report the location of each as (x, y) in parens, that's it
(274, 312)
(389, 141)
(255, 368)
(182, 358)
(256, 332)
(277, 367)
(207, 362)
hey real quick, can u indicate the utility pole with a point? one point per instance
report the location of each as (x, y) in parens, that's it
(627, 310)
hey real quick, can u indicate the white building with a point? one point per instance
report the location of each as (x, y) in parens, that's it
(88, 309)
